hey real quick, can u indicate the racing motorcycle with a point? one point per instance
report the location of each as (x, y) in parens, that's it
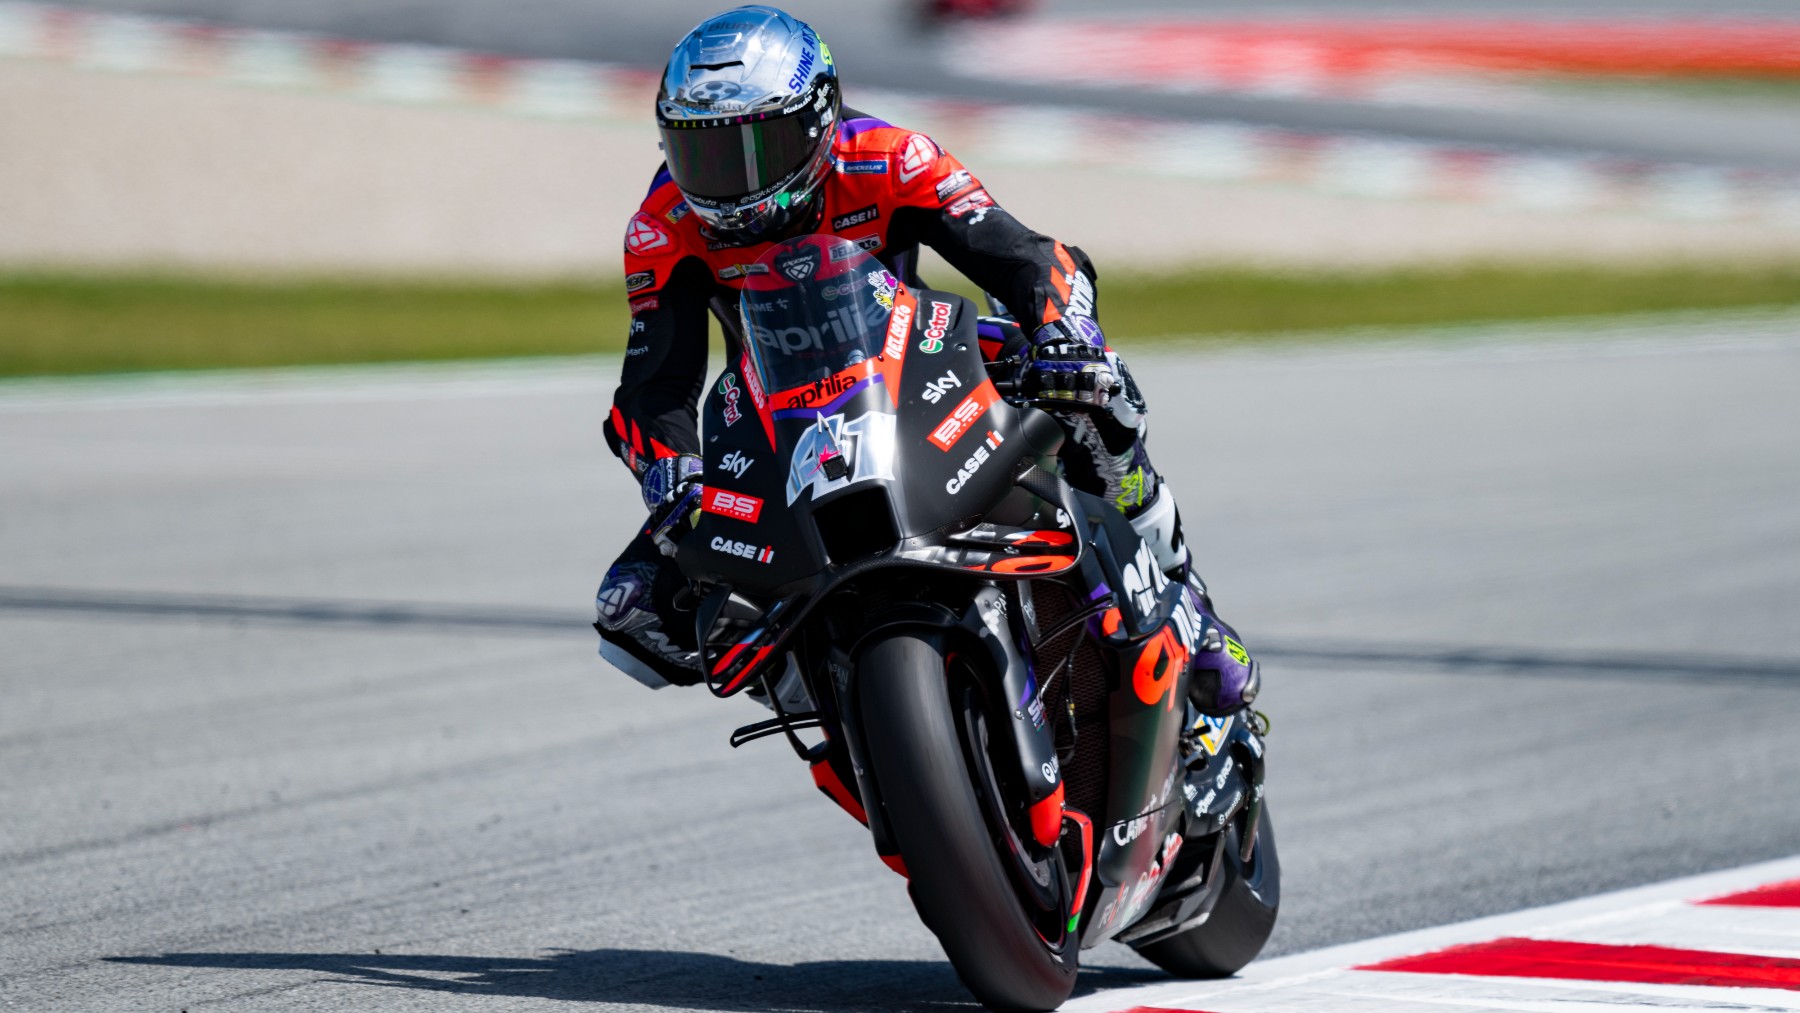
(981, 664)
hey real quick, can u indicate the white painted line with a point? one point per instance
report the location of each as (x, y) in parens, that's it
(1772, 932)
(1662, 914)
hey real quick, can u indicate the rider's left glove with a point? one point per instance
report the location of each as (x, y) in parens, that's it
(671, 490)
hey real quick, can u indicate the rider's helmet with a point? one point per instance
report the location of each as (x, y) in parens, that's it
(748, 109)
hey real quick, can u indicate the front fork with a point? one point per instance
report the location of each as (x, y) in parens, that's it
(985, 627)
(1034, 739)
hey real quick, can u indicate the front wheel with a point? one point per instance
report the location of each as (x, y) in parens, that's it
(1240, 923)
(919, 724)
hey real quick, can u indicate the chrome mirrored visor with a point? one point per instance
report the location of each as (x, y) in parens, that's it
(728, 162)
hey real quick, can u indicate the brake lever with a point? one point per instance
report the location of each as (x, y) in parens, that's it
(678, 521)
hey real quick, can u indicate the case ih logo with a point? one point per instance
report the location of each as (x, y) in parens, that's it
(963, 416)
(760, 553)
(644, 237)
(735, 505)
(855, 218)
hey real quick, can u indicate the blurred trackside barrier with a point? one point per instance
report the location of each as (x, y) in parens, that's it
(1357, 166)
(292, 60)
(1351, 57)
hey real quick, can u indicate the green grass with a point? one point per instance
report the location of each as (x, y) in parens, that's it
(1250, 302)
(1703, 87)
(87, 324)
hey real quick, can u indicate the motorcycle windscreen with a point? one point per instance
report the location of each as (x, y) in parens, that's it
(813, 307)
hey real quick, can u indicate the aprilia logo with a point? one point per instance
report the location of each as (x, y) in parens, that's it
(1143, 580)
(736, 505)
(829, 387)
(1081, 294)
(936, 389)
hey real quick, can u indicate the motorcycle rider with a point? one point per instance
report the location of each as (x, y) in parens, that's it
(758, 148)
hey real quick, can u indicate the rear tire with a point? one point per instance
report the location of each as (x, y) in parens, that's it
(1241, 921)
(957, 881)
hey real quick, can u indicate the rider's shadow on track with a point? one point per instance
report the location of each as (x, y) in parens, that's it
(702, 981)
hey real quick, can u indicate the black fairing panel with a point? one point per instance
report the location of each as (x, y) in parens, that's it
(932, 458)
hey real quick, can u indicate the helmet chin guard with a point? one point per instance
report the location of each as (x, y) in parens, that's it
(747, 110)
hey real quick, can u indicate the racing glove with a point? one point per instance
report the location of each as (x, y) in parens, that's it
(671, 492)
(1069, 370)
(1067, 367)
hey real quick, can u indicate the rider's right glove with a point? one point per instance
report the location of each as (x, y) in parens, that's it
(1068, 368)
(671, 492)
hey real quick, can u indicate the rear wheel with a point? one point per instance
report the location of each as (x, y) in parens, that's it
(995, 900)
(1241, 921)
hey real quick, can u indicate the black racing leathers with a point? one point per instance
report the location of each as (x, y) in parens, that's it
(891, 191)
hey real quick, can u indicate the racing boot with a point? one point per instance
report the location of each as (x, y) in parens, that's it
(1222, 748)
(1222, 675)
(643, 631)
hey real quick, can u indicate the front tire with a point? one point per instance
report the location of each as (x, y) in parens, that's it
(1224, 943)
(956, 877)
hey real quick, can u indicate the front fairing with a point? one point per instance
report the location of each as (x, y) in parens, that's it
(928, 443)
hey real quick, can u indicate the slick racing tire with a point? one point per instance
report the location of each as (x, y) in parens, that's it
(1241, 921)
(957, 877)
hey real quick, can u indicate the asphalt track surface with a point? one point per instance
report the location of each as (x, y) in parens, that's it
(885, 44)
(301, 711)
